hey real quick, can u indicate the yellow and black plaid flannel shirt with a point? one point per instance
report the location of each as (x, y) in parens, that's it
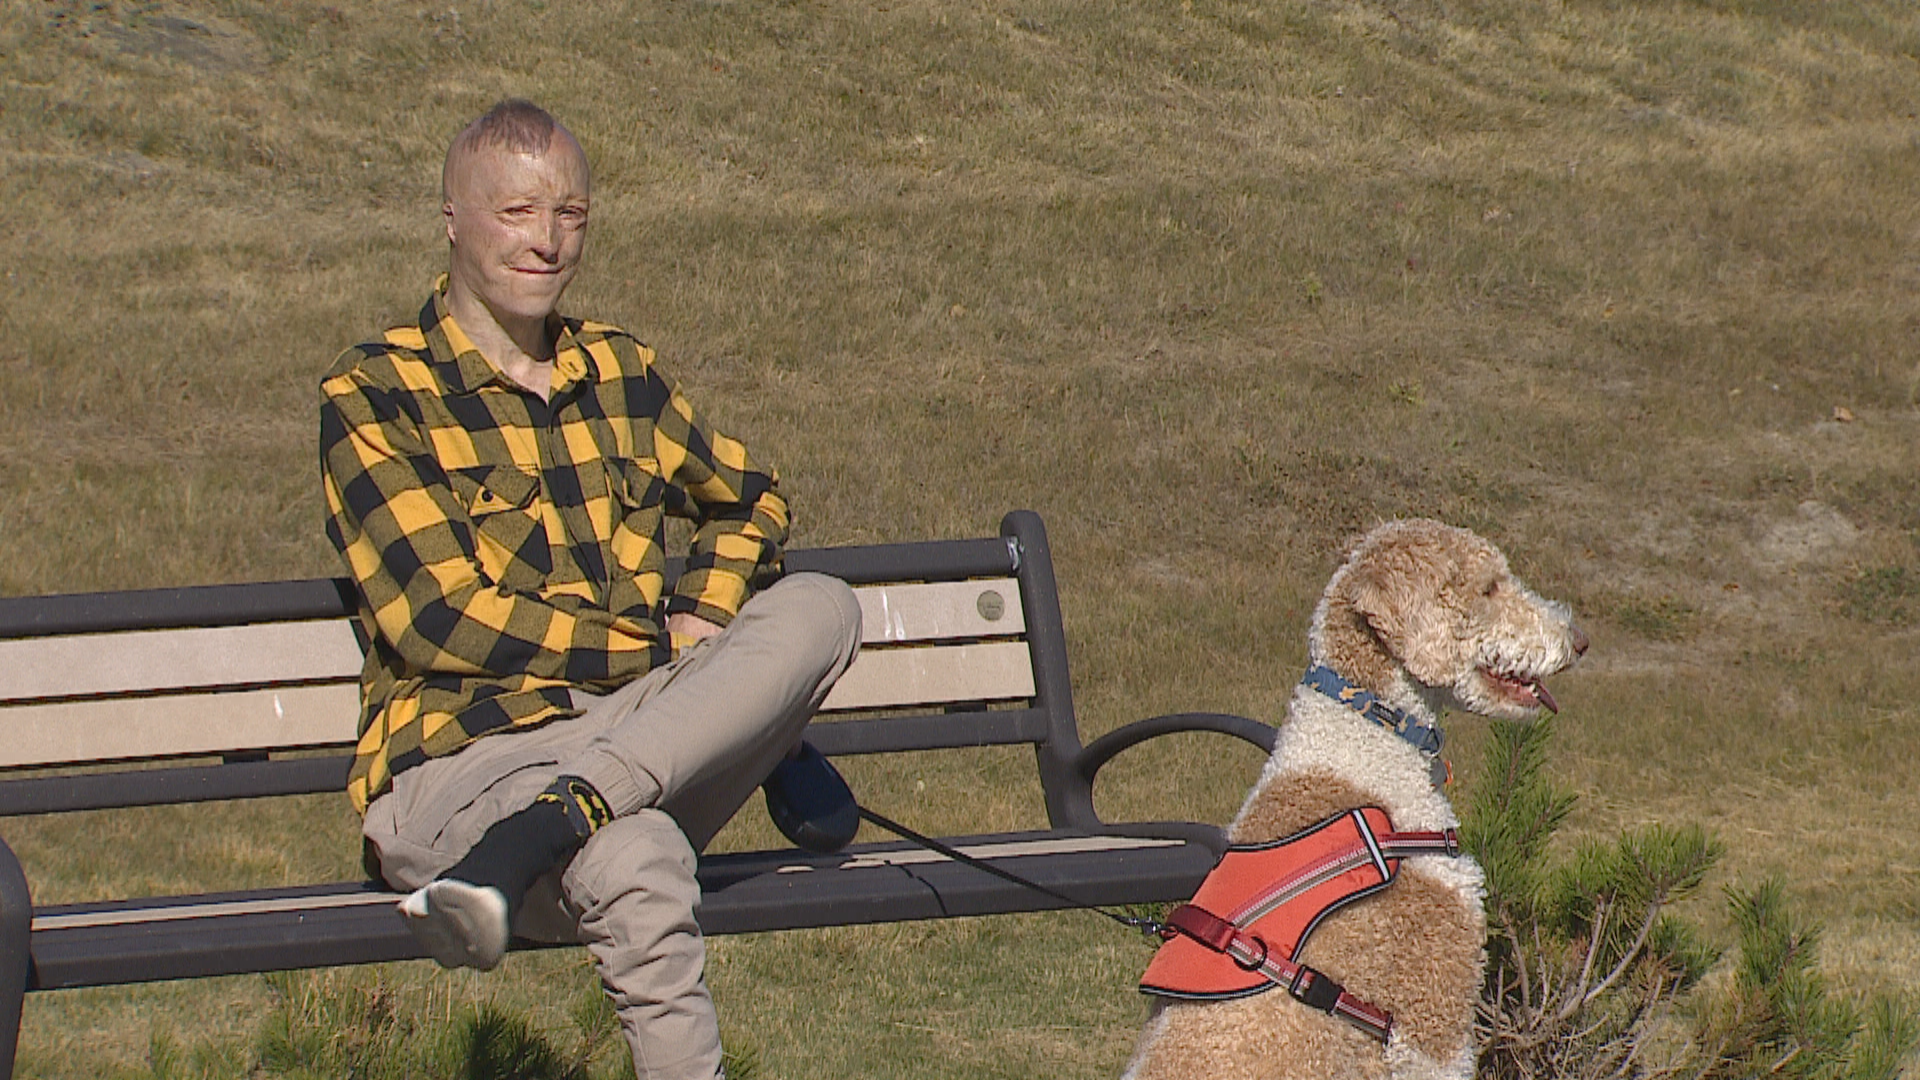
(507, 549)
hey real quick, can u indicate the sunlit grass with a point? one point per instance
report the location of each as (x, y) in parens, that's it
(1625, 286)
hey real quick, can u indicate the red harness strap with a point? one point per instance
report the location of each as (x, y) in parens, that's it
(1243, 931)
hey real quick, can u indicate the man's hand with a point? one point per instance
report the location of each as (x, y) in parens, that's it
(688, 628)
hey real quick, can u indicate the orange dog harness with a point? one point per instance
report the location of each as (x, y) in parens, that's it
(1243, 931)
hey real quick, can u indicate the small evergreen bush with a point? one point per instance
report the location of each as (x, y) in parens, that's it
(1590, 976)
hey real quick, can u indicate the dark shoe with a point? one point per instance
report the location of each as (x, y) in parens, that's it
(810, 804)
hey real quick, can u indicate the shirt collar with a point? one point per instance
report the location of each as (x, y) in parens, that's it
(466, 370)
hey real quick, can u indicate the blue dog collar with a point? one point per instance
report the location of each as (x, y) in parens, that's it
(1424, 736)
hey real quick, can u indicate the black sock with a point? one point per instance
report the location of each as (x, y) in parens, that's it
(519, 848)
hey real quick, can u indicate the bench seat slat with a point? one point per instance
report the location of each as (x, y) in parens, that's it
(327, 926)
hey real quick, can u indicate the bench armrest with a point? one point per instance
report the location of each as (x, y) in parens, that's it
(1097, 753)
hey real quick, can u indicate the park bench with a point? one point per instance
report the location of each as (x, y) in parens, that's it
(190, 695)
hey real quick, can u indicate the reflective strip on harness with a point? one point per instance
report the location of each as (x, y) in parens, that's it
(1243, 931)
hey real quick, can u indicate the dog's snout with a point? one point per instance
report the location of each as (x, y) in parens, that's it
(1580, 641)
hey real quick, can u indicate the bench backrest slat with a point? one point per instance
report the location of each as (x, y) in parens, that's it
(167, 661)
(940, 611)
(138, 694)
(237, 691)
(891, 678)
(325, 650)
(123, 729)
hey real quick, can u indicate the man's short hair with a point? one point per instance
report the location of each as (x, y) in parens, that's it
(516, 125)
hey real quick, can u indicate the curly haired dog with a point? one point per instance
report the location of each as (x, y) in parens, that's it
(1423, 616)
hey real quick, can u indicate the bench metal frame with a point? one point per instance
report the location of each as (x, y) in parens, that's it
(336, 924)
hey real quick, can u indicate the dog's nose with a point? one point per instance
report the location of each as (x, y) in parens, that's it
(1580, 642)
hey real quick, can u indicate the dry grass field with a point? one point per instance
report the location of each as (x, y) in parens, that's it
(1631, 287)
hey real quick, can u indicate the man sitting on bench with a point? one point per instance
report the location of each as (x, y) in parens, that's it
(547, 740)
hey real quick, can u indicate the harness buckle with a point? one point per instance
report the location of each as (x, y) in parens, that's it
(1453, 841)
(1315, 990)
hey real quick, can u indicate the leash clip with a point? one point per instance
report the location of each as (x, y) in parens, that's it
(1152, 928)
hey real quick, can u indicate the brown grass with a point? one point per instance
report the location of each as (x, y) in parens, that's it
(1210, 285)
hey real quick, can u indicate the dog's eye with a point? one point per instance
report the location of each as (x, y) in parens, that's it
(1492, 589)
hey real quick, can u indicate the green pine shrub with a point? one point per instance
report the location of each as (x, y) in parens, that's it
(1590, 975)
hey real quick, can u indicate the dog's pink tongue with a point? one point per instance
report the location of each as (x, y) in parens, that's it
(1546, 699)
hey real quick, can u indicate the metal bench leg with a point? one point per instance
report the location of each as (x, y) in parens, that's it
(16, 933)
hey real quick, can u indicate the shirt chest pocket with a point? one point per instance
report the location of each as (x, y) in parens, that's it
(509, 537)
(639, 496)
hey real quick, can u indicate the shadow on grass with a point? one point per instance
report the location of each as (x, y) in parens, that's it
(364, 1031)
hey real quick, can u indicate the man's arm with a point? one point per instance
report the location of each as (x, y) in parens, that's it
(411, 548)
(741, 519)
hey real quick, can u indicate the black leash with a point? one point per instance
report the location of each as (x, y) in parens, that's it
(1149, 927)
(1302, 982)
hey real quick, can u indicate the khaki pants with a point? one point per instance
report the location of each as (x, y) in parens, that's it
(675, 753)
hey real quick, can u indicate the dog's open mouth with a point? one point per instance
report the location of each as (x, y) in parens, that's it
(1522, 690)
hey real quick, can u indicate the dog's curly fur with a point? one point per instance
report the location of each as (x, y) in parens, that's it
(1426, 616)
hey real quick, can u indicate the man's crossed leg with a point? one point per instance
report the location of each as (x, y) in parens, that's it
(587, 829)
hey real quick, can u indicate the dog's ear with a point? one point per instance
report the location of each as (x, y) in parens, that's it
(1379, 595)
(1393, 589)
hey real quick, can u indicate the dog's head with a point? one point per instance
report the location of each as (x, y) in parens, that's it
(1422, 601)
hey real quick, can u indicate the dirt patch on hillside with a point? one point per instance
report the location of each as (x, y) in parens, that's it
(202, 42)
(1816, 534)
(199, 42)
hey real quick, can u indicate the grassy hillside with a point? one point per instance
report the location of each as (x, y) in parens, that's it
(1628, 287)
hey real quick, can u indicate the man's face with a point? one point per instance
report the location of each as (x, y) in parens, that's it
(517, 223)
